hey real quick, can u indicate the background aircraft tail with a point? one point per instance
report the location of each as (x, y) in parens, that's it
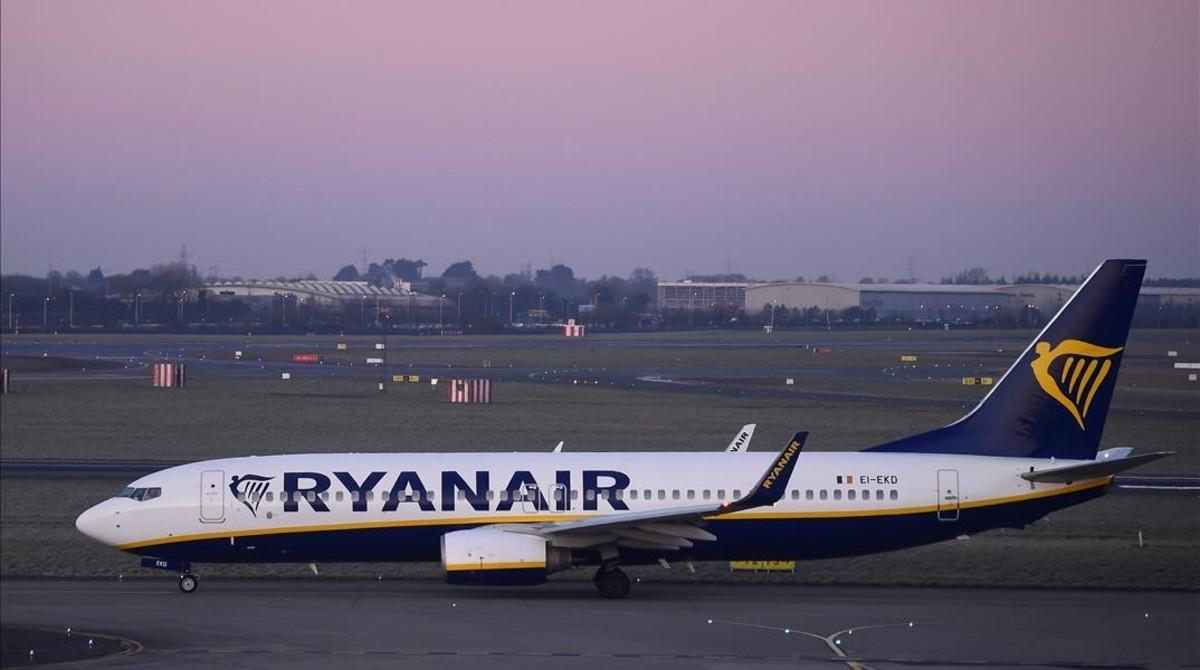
(1054, 400)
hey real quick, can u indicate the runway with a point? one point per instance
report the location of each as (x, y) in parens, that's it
(372, 624)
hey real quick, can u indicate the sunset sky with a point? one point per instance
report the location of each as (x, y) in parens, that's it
(774, 139)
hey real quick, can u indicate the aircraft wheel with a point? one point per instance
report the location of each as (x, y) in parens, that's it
(612, 583)
(188, 582)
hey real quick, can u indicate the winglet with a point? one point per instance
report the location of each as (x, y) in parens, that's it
(770, 488)
(741, 441)
(558, 448)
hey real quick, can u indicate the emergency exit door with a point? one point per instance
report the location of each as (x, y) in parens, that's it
(212, 496)
(947, 508)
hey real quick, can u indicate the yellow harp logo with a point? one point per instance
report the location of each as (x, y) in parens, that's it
(1072, 372)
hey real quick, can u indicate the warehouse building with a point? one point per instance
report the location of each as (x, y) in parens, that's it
(911, 301)
(916, 302)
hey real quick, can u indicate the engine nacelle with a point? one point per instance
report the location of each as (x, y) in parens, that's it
(501, 557)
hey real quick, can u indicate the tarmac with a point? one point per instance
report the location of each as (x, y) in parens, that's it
(396, 624)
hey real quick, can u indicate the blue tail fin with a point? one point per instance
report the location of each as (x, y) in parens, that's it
(1054, 400)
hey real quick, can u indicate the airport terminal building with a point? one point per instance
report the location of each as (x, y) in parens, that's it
(326, 293)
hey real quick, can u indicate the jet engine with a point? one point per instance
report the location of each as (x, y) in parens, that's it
(497, 556)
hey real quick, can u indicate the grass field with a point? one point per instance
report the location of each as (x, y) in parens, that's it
(861, 379)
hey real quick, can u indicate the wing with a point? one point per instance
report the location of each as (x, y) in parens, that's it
(674, 527)
(741, 441)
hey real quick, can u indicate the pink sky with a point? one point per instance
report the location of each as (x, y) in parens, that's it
(776, 139)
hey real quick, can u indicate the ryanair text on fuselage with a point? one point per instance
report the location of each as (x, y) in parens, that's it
(408, 487)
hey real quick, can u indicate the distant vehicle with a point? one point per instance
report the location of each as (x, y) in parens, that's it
(1030, 447)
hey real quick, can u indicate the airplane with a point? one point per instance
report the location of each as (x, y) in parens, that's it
(1029, 448)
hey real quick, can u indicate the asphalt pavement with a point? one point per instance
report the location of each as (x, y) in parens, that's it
(322, 623)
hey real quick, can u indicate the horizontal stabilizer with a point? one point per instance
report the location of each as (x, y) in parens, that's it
(1073, 473)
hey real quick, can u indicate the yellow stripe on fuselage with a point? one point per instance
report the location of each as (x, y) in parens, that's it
(551, 517)
(514, 565)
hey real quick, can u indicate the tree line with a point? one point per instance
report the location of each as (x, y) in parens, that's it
(172, 296)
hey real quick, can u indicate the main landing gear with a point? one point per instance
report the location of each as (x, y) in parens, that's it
(188, 582)
(612, 582)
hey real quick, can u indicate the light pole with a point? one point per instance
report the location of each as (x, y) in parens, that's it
(362, 311)
(511, 297)
(45, 311)
(137, 308)
(387, 361)
(71, 312)
(10, 316)
(441, 304)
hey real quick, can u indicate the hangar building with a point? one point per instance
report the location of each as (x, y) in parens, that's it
(690, 294)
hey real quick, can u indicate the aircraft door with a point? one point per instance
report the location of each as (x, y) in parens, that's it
(560, 498)
(947, 507)
(212, 496)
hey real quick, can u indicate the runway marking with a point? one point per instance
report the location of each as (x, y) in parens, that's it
(832, 641)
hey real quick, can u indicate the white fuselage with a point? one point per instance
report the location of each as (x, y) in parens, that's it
(280, 510)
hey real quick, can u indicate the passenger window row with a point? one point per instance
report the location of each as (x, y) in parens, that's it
(850, 494)
(557, 495)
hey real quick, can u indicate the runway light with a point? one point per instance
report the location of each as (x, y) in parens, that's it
(710, 620)
(1146, 615)
(787, 631)
(838, 642)
(454, 604)
(910, 624)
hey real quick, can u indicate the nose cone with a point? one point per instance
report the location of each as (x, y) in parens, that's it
(99, 523)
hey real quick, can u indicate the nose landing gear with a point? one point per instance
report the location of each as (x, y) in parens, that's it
(188, 582)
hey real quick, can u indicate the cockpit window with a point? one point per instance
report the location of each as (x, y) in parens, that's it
(140, 494)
